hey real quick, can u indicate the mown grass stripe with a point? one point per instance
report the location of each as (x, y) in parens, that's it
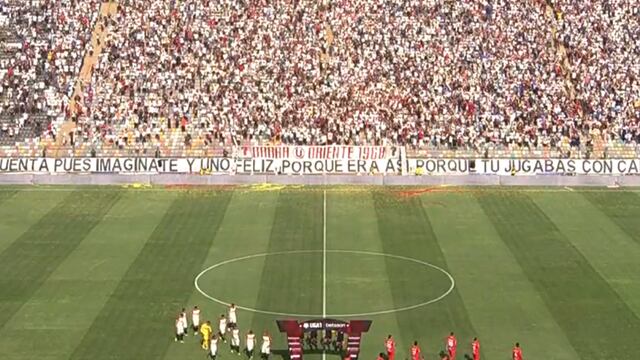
(64, 307)
(606, 245)
(237, 282)
(622, 207)
(596, 321)
(491, 282)
(352, 225)
(406, 230)
(6, 210)
(137, 320)
(292, 283)
(5, 195)
(29, 260)
(21, 211)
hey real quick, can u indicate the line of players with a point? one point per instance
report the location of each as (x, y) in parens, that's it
(209, 340)
(451, 346)
(331, 340)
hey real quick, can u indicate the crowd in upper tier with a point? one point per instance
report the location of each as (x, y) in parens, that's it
(466, 74)
(42, 44)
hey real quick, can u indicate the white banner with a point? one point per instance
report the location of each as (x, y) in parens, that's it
(94, 165)
(437, 166)
(557, 166)
(218, 165)
(332, 152)
(522, 166)
(307, 166)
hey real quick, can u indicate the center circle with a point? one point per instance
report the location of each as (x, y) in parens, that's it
(406, 282)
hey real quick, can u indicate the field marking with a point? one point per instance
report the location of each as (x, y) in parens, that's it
(241, 190)
(324, 261)
(568, 188)
(324, 255)
(357, 252)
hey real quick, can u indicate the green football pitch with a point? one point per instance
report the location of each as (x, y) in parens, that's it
(101, 272)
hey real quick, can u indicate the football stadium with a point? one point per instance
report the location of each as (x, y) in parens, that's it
(319, 179)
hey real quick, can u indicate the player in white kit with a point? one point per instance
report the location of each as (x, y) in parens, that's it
(213, 347)
(233, 320)
(235, 339)
(251, 343)
(185, 322)
(222, 327)
(266, 346)
(179, 330)
(195, 320)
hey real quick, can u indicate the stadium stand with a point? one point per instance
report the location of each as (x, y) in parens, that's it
(42, 47)
(444, 78)
(602, 39)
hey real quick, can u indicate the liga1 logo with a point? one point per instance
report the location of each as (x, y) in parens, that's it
(324, 324)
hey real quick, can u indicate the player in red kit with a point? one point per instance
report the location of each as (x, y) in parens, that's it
(452, 345)
(517, 352)
(390, 345)
(416, 354)
(380, 356)
(475, 348)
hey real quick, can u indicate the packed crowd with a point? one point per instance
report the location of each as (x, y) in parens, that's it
(602, 39)
(42, 47)
(465, 74)
(423, 73)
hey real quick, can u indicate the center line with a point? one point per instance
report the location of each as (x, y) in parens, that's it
(324, 260)
(324, 254)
